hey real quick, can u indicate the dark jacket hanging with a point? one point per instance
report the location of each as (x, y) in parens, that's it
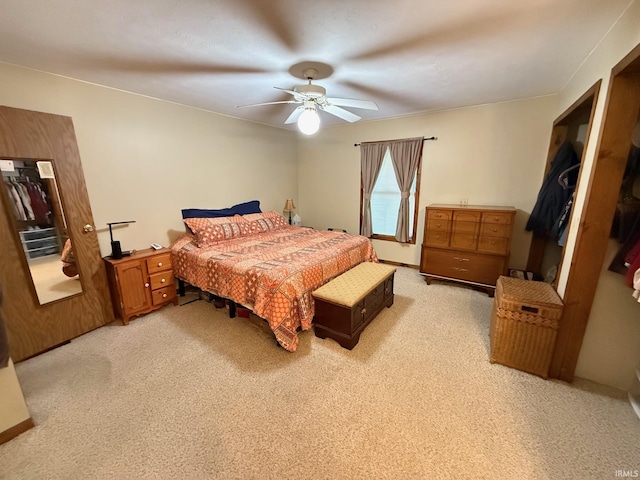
(552, 197)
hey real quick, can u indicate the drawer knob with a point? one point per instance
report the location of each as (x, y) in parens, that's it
(496, 218)
(159, 264)
(146, 285)
(162, 281)
(494, 229)
(493, 242)
(164, 295)
(363, 311)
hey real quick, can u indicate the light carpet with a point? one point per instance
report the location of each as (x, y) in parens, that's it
(187, 393)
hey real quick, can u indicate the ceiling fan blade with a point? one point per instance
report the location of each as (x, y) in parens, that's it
(340, 112)
(349, 102)
(266, 103)
(294, 115)
(287, 90)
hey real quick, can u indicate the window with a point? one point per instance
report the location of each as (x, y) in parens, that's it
(380, 209)
(385, 201)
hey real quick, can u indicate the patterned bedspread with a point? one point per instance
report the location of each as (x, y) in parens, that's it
(273, 273)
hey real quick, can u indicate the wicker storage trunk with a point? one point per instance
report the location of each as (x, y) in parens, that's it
(524, 324)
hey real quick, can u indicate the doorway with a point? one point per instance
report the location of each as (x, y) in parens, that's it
(621, 114)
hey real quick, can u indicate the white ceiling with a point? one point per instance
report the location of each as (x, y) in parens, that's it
(408, 56)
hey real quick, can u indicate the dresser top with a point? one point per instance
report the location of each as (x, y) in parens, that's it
(137, 255)
(472, 207)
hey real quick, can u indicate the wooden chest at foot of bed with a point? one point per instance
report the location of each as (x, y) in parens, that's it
(348, 303)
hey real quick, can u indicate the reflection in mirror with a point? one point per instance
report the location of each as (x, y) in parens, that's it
(33, 200)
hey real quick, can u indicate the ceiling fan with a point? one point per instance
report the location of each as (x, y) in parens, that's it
(314, 97)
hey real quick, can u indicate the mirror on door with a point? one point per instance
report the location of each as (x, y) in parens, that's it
(32, 201)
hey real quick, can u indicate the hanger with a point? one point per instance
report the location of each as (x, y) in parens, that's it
(563, 178)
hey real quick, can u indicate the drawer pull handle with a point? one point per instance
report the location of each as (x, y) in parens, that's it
(162, 281)
(363, 311)
(146, 285)
(461, 259)
(461, 269)
(159, 264)
(164, 295)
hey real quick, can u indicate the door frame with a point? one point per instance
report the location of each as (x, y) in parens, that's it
(621, 110)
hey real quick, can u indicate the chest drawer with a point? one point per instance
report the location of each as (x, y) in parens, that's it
(467, 266)
(436, 238)
(497, 218)
(436, 215)
(495, 230)
(497, 245)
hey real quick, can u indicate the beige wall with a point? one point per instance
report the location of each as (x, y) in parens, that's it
(611, 347)
(13, 409)
(489, 155)
(146, 159)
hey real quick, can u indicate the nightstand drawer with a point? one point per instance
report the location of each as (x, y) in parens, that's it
(159, 263)
(163, 295)
(162, 279)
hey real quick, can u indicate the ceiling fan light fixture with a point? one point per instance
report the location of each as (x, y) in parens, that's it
(309, 121)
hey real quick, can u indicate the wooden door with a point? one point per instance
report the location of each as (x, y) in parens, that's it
(32, 327)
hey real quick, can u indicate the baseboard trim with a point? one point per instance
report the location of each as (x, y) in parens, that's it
(16, 430)
(398, 264)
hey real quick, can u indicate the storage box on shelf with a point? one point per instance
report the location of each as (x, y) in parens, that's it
(40, 242)
(468, 244)
(141, 283)
(524, 325)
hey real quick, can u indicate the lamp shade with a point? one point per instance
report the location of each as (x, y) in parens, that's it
(289, 206)
(309, 121)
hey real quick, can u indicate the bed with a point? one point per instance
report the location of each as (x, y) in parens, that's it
(266, 265)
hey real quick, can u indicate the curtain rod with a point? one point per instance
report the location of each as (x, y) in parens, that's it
(424, 140)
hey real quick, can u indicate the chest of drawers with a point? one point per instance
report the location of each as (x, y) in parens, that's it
(141, 283)
(467, 244)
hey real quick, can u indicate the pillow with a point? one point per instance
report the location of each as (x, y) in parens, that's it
(258, 216)
(247, 207)
(267, 223)
(209, 231)
(240, 209)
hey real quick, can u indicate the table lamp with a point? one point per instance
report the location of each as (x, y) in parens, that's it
(289, 207)
(116, 249)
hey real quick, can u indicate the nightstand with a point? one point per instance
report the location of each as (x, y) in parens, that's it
(141, 283)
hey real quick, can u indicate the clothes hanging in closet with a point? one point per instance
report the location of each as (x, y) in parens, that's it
(553, 197)
(28, 200)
